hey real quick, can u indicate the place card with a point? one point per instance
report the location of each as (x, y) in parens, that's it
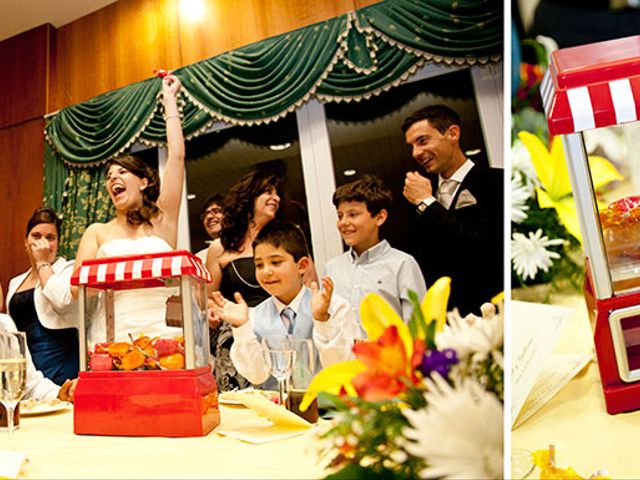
(11, 463)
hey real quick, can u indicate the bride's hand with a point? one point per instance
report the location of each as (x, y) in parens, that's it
(170, 86)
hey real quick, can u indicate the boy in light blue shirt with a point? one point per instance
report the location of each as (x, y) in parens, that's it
(281, 259)
(371, 265)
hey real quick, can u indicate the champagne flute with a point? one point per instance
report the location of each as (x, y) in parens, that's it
(13, 373)
(280, 357)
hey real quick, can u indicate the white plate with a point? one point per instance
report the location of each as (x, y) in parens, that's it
(44, 407)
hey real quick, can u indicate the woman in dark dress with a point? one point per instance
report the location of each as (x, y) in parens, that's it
(251, 203)
(40, 302)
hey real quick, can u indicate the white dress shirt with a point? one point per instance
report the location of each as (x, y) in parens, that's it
(333, 338)
(382, 269)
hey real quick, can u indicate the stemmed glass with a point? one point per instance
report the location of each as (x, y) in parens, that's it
(279, 355)
(13, 373)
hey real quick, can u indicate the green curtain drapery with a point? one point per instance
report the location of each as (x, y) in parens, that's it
(347, 58)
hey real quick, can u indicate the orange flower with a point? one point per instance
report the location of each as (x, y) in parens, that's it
(387, 365)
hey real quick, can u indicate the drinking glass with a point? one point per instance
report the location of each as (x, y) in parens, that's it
(280, 356)
(521, 463)
(305, 366)
(13, 373)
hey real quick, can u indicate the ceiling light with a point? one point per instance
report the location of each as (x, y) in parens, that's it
(350, 172)
(472, 152)
(282, 146)
(191, 196)
(192, 10)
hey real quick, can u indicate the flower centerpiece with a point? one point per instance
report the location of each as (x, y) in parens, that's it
(419, 400)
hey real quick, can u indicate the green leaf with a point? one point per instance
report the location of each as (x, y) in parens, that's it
(417, 323)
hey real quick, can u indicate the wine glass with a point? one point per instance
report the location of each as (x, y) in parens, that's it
(521, 463)
(13, 373)
(280, 357)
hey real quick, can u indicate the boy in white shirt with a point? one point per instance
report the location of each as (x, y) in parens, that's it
(371, 265)
(281, 259)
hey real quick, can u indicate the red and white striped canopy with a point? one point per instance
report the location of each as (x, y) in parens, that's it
(592, 86)
(139, 271)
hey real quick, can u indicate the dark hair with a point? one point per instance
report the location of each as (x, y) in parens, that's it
(216, 199)
(239, 203)
(283, 235)
(43, 215)
(150, 194)
(369, 189)
(439, 116)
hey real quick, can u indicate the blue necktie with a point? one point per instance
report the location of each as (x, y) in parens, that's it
(289, 317)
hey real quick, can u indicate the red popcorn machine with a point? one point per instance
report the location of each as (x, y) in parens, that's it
(144, 347)
(588, 87)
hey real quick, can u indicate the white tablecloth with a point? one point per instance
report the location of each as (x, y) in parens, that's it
(576, 421)
(54, 451)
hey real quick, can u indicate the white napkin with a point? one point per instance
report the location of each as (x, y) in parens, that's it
(11, 463)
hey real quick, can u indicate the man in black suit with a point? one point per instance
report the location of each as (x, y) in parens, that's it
(459, 211)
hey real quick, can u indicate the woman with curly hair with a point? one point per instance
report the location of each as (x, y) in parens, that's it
(251, 203)
(146, 222)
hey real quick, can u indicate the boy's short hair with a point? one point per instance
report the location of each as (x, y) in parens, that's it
(283, 235)
(369, 189)
(439, 117)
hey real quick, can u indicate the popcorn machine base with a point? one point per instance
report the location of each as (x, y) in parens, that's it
(178, 403)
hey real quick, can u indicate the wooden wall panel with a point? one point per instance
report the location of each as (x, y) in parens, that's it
(124, 42)
(24, 64)
(230, 24)
(111, 48)
(21, 160)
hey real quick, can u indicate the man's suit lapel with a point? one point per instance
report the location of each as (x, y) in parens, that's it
(467, 184)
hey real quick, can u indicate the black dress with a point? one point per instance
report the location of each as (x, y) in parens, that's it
(238, 276)
(54, 352)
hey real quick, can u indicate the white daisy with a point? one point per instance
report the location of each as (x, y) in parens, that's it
(521, 163)
(473, 335)
(459, 433)
(529, 254)
(520, 193)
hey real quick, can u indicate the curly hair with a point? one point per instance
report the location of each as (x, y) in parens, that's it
(43, 215)
(239, 203)
(369, 189)
(150, 194)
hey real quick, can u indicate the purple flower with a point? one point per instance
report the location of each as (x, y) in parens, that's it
(438, 361)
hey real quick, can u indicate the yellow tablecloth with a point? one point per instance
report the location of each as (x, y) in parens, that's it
(576, 421)
(54, 451)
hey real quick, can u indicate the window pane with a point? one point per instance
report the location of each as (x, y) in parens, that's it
(366, 138)
(217, 160)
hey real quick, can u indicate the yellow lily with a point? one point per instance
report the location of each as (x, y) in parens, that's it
(377, 316)
(434, 305)
(551, 168)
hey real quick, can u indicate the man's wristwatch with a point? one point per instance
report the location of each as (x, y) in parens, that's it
(424, 204)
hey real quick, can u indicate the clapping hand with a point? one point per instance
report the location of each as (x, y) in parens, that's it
(321, 299)
(236, 314)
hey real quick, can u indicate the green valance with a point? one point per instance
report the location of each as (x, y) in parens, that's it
(346, 58)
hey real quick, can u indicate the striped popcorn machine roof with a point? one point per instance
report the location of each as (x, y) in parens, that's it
(592, 86)
(139, 271)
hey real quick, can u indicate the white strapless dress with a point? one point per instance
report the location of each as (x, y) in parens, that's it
(140, 311)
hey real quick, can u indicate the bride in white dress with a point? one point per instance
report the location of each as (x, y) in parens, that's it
(146, 222)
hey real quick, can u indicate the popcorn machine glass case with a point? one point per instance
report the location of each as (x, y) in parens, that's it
(589, 87)
(144, 351)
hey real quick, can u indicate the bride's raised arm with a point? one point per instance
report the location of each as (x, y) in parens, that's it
(173, 179)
